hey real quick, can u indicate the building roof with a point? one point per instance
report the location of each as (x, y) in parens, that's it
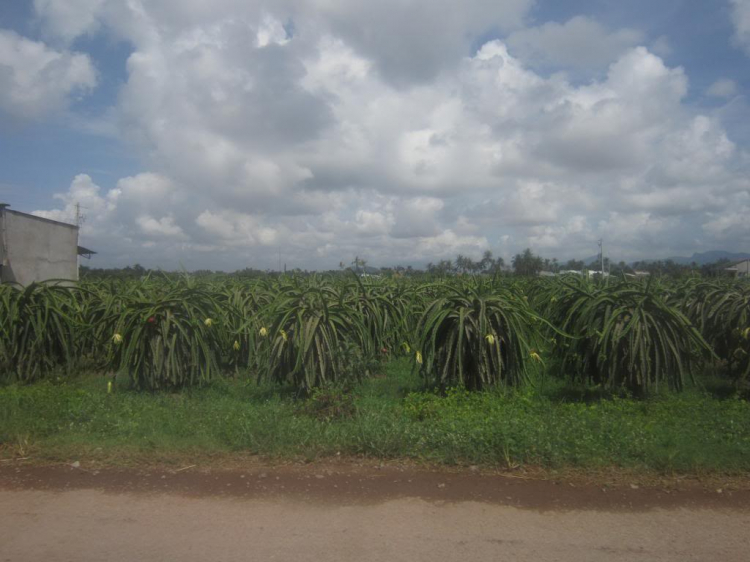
(5, 206)
(85, 252)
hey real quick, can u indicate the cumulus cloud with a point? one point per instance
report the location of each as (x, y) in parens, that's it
(36, 80)
(68, 19)
(135, 213)
(411, 42)
(723, 225)
(722, 88)
(661, 46)
(741, 22)
(163, 227)
(297, 129)
(237, 229)
(530, 203)
(83, 192)
(580, 43)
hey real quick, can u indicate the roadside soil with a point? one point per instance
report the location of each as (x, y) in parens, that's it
(359, 511)
(349, 481)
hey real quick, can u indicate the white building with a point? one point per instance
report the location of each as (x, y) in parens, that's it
(37, 249)
(741, 269)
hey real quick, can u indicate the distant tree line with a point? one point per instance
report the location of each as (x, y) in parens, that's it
(464, 264)
(525, 263)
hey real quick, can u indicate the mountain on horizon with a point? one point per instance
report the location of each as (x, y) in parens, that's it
(702, 258)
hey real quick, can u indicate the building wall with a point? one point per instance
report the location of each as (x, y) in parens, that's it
(741, 269)
(36, 249)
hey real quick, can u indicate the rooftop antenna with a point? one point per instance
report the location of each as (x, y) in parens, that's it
(80, 217)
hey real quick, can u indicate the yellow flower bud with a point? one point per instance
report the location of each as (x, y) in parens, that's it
(419, 357)
(263, 332)
(117, 338)
(406, 347)
(109, 387)
(236, 345)
(534, 355)
(283, 335)
(208, 322)
(490, 339)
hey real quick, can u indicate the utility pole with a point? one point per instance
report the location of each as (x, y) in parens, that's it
(601, 254)
(3, 237)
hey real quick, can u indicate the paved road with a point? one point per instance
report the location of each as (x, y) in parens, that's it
(80, 523)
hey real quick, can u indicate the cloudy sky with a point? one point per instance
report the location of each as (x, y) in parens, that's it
(223, 134)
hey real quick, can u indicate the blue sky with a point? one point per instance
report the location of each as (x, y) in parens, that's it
(39, 158)
(198, 136)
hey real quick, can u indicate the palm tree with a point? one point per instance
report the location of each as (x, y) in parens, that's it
(359, 263)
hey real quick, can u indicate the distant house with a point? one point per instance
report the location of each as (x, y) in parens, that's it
(366, 271)
(37, 249)
(741, 269)
(594, 273)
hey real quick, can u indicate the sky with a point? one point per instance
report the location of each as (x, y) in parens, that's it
(249, 133)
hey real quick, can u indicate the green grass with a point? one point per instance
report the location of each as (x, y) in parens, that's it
(390, 417)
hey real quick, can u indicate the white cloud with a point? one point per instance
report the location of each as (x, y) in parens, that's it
(529, 203)
(573, 237)
(412, 42)
(85, 193)
(164, 226)
(661, 46)
(581, 43)
(722, 88)
(68, 19)
(741, 22)
(729, 223)
(417, 217)
(36, 80)
(136, 211)
(271, 32)
(304, 138)
(237, 229)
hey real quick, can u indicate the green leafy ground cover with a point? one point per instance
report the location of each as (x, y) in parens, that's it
(550, 425)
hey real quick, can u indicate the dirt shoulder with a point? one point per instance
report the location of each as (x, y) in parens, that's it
(355, 482)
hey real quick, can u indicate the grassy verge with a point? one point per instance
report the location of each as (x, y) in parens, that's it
(693, 432)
